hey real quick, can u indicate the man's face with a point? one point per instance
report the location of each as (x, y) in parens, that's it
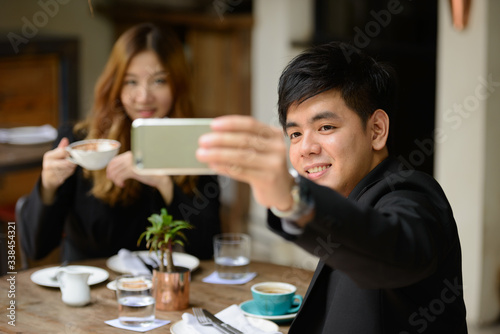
(328, 142)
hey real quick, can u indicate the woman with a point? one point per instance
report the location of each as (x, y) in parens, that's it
(96, 213)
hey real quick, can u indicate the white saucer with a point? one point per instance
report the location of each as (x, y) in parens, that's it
(111, 285)
(180, 259)
(250, 309)
(180, 326)
(45, 276)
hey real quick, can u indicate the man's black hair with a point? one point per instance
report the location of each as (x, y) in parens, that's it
(365, 84)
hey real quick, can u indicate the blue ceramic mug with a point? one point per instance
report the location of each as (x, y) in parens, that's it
(276, 298)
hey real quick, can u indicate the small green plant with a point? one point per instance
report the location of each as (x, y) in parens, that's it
(162, 235)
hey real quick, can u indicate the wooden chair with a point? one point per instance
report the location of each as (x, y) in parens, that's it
(25, 263)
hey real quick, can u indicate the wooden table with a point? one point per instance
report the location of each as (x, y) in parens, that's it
(39, 309)
(19, 157)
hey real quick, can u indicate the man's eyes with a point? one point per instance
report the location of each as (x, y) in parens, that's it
(322, 128)
(326, 127)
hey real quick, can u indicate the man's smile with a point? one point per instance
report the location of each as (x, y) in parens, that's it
(317, 171)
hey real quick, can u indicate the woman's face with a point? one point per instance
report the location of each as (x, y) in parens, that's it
(146, 91)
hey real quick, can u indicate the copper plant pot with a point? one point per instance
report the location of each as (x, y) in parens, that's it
(172, 289)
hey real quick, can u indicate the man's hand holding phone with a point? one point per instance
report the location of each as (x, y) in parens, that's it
(249, 151)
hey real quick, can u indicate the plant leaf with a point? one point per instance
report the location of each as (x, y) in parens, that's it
(163, 233)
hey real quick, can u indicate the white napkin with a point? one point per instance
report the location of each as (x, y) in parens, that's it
(28, 134)
(215, 279)
(231, 315)
(156, 324)
(131, 262)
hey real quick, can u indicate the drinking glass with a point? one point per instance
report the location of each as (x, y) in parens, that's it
(136, 303)
(232, 255)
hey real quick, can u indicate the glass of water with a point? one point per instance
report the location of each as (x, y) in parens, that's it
(136, 303)
(232, 255)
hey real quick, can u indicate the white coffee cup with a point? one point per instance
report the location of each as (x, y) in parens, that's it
(93, 154)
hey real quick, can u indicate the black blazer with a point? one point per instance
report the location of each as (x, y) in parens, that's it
(390, 257)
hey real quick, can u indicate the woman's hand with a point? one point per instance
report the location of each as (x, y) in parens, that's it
(55, 170)
(121, 168)
(253, 152)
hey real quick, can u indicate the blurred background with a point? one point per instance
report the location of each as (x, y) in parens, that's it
(446, 53)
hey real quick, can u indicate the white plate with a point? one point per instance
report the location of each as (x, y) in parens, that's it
(180, 326)
(180, 259)
(44, 276)
(28, 135)
(249, 309)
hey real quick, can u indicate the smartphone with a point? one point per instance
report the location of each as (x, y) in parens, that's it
(168, 145)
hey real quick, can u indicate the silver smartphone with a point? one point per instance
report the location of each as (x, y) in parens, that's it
(168, 145)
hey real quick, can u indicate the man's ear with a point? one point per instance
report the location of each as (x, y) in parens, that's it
(379, 127)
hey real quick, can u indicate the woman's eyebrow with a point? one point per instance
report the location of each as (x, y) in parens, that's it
(160, 72)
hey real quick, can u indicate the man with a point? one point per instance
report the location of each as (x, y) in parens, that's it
(390, 257)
